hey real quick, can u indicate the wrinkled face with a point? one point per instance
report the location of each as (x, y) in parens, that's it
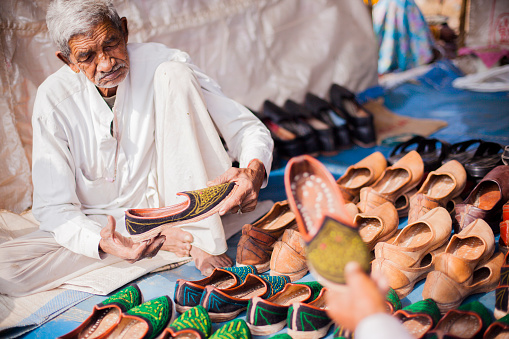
(102, 55)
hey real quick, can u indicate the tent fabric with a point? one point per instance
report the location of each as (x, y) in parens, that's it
(255, 49)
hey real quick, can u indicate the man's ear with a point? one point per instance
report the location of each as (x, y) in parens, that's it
(124, 28)
(66, 61)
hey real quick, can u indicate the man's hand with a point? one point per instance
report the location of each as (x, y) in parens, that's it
(249, 180)
(116, 244)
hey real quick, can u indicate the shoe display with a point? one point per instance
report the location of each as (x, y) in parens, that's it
(289, 256)
(439, 188)
(323, 111)
(268, 316)
(325, 224)
(396, 180)
(236, 329)
(188, 293)
(360, 121)
(377, 225)
(309, 320)
(224, 305)
(362, 174)
(257, 240)
(192, 324)
(324, 133)
(419, 317)
(145, 321)
(467, 321)
(498, 329)
(146, 223)
(485, 201)
(107, 314)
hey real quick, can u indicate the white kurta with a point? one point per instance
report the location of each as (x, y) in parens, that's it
(79, 173)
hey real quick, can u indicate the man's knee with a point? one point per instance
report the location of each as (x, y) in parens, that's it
(12, 280)
(172, 70)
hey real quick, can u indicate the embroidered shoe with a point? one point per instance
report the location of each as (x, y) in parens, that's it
(498, 329)
(269, 316)
(323, 220)
(146, 223)
(224, 305)
(145, 321)
(193, 323)
(309, 321)
(107, 314)
(420, 317)
(189, 293)
(236, 329)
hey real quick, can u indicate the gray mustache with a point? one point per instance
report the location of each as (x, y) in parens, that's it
(102, 75)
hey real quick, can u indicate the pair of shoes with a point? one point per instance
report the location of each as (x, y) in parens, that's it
(439, 188)
(268, 316)
(395, 181)
(326, 226)
(189, 293)
(362, 174)
(467, 321)
(412, 254)
(419, 318)
(226, 304)
(289, 256)
(360, 121)
(467, 266)
(431, 150)
(146, 223)
(257, 240)
(323, 111)
(485, 201)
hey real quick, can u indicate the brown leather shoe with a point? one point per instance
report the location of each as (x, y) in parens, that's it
(449, 294)
(440, 187)
(289, 256)
(402, 203)
(396, 180)
(257, 240)
(362, 174)
(485, 201)
(377, 225)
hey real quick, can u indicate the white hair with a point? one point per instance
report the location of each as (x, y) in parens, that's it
(68, 18)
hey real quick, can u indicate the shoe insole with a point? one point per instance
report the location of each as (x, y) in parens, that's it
(417, 325)
(284, 218)
(460, 325)
(369, 228)
(358, 177)
(298, 294)
(130, 329)
(488, 196)
(414, 235)
(354, 110)
(104, 321)
(224, 283)
(393, 180)
(255, 290)
(470, 248)
(439, 186)
(317, 124)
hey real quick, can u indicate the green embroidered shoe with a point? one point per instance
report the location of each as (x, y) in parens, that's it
(195, 318)
(107, 314)
(392, 301)
(281, 336)
(420, 317)
(147, 320)
(498, 329)
(236, 329)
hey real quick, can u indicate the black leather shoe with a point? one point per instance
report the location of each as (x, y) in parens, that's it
(359, 120)
(324, 132)
(294, 124)
(323, 111)
(286, 143)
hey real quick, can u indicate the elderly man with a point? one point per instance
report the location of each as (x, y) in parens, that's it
(126, 126)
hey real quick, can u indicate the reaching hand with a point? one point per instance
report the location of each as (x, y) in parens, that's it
(249, 180)
(116, 244)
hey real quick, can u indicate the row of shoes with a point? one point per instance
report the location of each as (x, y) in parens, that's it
(317, 126)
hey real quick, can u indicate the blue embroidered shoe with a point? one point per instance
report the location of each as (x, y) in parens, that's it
(309, 320)
(236, 329)
(189, 293)
(107, 314)
(224, 305)
(265, 317)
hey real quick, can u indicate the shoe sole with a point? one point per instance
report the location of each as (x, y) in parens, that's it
(267, 329)
(293, 276)
(320, 333)
(222, 317)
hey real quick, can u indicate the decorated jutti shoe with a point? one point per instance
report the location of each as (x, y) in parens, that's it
(107, 314)
(236, 329)
(192, 324)
(326, 226)
(392, 301)
(224, 305)
(269, 316)
(145, 321)
(309, 320)
(419, 318)
(146, 223)
(498, 329)
(189, 293)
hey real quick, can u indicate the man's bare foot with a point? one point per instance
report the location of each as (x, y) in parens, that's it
(177, 241)
(206, 262)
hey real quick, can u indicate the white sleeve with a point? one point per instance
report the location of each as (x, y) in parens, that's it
(381, 326)
(55, 203)
(246, 136)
